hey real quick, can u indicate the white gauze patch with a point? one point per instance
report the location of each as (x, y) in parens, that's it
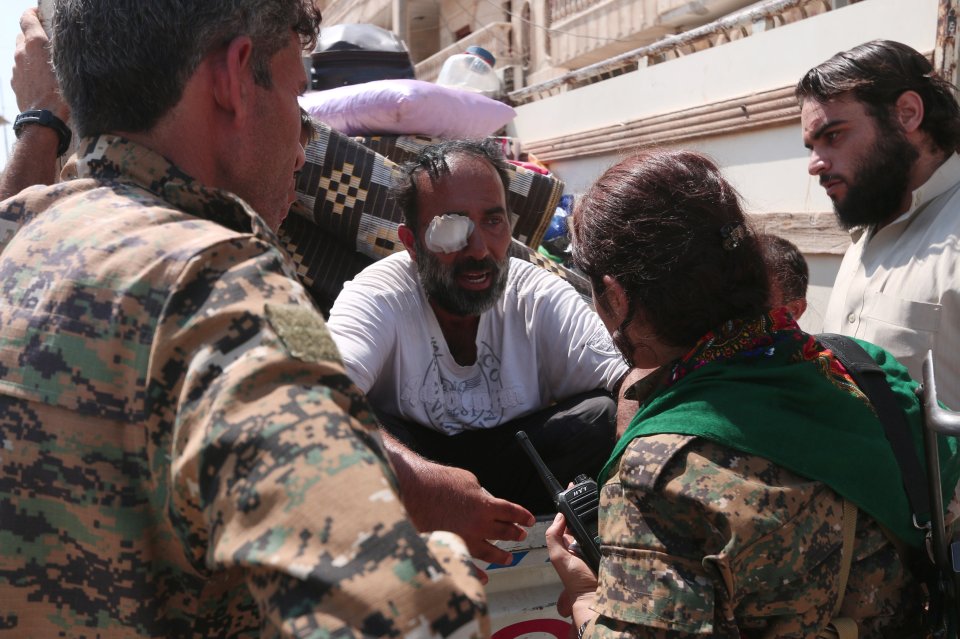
(448, 233)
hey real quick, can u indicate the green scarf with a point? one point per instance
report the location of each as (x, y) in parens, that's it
(768, 389)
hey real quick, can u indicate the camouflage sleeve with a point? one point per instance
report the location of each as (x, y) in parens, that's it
(15, 212)
(700, 540)
(277, 471)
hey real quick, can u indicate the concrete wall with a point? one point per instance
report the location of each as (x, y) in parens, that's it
(455, 15)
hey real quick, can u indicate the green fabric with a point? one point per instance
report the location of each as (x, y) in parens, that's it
(790, 405)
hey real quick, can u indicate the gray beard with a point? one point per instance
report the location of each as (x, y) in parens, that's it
(440, 282)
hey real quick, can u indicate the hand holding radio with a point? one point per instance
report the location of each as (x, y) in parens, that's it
(579, 581)
(579, 504)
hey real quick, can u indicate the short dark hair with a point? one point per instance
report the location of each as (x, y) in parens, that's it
(876, 73)
(123, 64)
(787, 267)
(669, 229)
(434, 160)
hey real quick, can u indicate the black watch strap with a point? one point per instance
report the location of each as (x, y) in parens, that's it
(46, 118)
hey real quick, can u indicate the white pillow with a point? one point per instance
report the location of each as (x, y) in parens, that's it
(407, 107)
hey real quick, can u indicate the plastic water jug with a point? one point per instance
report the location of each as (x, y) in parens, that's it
(471, 71)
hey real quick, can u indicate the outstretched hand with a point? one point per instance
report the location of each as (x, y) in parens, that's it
(450, 498)
(33, 80)
(439, 497)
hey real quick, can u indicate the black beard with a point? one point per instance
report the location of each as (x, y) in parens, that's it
(876, 191)
(623, 343)
(440, 282)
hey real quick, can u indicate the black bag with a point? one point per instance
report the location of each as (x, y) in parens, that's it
(356, 53)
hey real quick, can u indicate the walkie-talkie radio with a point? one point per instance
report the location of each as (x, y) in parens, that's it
(579, 504)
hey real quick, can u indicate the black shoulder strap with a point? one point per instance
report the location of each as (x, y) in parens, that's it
(873, 382)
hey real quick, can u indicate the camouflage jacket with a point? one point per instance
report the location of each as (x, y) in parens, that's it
(702, 539)
(181, 454)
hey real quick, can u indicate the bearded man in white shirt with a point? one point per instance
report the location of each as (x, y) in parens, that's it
(458, 346)
(883, 132)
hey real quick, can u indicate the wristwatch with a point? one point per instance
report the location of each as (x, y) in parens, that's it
(46, 118)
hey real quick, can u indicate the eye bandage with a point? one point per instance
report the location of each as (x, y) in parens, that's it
(448, 233)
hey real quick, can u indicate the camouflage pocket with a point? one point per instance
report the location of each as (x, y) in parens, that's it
(655, 590)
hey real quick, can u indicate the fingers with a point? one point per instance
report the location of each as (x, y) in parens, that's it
(506, 511)
(555, 532)
(556, 545)
(32, 78)
(481, 574)
(485, 551)
(564, 604)
(504, 531)
(30, 24)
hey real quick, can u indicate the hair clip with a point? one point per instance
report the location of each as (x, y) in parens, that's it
(732, 234)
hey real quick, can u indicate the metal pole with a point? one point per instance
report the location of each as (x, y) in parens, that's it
(400, 16)
(937, 420)
(945, 51)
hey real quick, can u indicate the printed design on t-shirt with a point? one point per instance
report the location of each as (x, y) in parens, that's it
(454, 405)
(601, 343)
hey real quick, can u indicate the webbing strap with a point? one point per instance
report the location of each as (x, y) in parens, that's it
(846, 551)
(844, 627)
(873, 382)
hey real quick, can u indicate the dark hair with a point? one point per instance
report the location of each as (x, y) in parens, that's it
(123, 64)
(434, 160)
(877, 73)
(786, 266)
(669, 229)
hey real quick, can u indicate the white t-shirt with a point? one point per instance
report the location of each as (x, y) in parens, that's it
(538, 344)
(900, 287)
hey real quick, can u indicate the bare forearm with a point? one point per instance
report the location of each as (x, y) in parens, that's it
(439, 497)
(34, 157)
(408, 465)
(423, 483)
(33, 161)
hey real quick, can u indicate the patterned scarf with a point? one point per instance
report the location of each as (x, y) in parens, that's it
(764, 387)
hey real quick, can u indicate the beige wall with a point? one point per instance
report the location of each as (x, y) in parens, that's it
(456, 14)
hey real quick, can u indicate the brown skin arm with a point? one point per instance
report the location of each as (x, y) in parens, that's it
(439, 497)
(34, 156)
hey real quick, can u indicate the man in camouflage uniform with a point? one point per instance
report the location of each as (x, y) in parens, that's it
(181, 453)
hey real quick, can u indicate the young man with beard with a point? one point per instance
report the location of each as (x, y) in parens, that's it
(883, 132)
(458, 346)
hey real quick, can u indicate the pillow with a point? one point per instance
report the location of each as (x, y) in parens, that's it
(407, 107)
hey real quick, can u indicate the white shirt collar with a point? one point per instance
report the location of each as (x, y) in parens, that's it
(944, 178)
